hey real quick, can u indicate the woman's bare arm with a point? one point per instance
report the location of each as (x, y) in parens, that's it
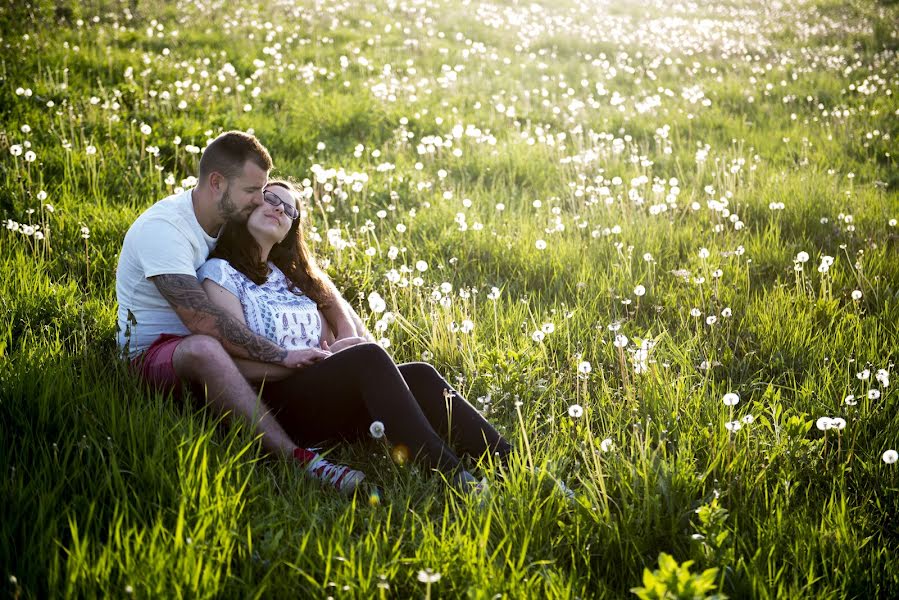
(338, 316)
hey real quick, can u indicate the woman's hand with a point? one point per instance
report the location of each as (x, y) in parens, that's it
(303, 358)
(343, 343)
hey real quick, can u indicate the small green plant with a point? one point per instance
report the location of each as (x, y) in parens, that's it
(712, 535)
(675, 581)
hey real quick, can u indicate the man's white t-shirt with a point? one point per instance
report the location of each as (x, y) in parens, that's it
(165, 239)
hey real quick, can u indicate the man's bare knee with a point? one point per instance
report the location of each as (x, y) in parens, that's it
(198, 356)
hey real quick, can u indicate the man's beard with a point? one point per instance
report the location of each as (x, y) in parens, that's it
(229, 211)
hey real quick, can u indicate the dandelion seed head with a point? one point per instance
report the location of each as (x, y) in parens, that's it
(730, 399)
(824, 423)
(575, 411)
(890, 457)
(376, 429)
(428, 576)
(376, 303)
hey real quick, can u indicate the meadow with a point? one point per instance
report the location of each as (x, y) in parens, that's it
(655, 242)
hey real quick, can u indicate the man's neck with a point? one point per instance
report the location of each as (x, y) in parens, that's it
(205, 211)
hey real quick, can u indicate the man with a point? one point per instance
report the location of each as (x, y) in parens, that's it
(171, 331)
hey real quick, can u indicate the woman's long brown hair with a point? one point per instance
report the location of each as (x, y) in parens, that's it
(291, 255)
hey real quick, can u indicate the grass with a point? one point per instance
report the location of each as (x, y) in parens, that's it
(111, 490)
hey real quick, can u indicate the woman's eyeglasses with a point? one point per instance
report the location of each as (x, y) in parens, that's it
(289, 209)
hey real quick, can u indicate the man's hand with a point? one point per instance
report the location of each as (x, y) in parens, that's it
(343, 343)
(297, 359)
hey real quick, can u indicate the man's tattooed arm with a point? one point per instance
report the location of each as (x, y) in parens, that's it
(200, 315)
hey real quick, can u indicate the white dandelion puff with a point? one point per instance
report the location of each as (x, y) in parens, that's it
(376, 429)
(730, 399)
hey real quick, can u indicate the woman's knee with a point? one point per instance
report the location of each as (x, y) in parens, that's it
(420, 372)
(369, 354)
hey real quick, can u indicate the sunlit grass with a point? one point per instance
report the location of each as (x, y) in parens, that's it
(639, 193)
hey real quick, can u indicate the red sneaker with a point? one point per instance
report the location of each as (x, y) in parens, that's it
(344, 479)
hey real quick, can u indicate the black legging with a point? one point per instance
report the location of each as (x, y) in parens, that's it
(340, 396)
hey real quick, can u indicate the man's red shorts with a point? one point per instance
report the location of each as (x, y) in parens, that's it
(154, 365)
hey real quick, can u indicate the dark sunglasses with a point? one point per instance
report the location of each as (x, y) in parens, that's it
(289, 209)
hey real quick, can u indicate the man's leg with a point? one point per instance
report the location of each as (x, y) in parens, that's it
(201, 359)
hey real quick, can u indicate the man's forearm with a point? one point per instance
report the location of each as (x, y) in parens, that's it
(200, 315)
(236, 338)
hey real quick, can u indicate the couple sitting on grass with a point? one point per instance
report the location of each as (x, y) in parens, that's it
(217, 292)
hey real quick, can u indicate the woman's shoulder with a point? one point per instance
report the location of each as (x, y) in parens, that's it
(215, 265)
(219, 270)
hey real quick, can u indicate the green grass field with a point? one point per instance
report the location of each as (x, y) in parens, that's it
(674, 203)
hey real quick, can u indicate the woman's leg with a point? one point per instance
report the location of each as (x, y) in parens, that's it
(341, 395)
(450, 414)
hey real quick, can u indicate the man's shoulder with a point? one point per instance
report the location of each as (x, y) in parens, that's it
(176, 207)
(174, 210)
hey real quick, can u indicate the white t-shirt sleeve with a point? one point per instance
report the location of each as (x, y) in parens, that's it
(164, 249)
(220, 272)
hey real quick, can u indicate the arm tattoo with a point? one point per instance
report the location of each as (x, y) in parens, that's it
(186, 295)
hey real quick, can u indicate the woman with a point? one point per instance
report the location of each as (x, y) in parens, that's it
(263, 273)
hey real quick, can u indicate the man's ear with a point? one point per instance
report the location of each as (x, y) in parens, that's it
(217, 182)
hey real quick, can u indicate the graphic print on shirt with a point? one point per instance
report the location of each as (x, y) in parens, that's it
(297, 329)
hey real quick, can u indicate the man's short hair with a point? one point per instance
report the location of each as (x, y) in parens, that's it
(229, 152)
